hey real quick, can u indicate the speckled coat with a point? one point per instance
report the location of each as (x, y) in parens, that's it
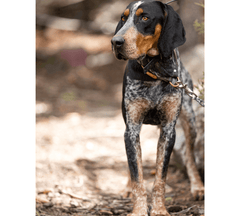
(148, 28)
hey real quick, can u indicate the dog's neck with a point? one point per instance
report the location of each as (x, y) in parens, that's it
(160, 68)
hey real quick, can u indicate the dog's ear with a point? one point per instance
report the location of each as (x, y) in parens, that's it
(173, 33)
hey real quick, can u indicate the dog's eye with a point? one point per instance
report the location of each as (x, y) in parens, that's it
(144, 18)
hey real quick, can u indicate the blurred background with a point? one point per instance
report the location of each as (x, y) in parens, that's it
(80, 153)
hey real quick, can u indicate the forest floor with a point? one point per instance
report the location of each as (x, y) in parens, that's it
(82, 170)
(81, 166)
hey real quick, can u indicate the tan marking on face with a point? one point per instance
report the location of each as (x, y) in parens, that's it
(153, 52)
(136, 109)
(130, 43)
(148, 44)
(170, 106)
(126, 12)
(139, 12)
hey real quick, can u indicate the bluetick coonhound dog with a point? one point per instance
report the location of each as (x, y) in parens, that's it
(150, 29)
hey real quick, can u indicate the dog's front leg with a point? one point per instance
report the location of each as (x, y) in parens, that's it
(164, 149)
(134, 157)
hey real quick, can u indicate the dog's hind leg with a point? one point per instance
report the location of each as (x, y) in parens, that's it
(187, 119)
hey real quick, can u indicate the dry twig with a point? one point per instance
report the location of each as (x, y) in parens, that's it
(183, 211)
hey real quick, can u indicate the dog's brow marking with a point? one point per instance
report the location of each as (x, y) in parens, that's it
(129, 22)
(126, 12)
(139, 11)
(134, 8)
(137, 4)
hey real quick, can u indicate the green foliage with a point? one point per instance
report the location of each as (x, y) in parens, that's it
(202, 5)
(82, 104)
(168, 198)
(68, 96)
(199, 27)
(50, 61)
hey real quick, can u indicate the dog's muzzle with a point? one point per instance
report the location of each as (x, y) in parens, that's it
(117, 43)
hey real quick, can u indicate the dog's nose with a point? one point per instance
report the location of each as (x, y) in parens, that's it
(117, 41)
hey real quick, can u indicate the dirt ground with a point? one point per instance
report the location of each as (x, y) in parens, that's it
(81, 164)
(82, 170)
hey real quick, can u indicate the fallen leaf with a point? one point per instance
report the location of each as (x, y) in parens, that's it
(106, 212)
(41, 200)
(153, 172)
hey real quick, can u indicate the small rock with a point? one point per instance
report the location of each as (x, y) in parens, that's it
(41, 200)
(45, 191)
(57, 200)
(104, 212)
(74, 203)
(118, 211)
(50, 195)
(153, 171)
(57, 194)
(201, 211)
(48, 205)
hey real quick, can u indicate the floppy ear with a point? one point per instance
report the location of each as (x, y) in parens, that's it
(173, 33)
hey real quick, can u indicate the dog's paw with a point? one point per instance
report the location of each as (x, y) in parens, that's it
(140, 207)
(198, 192)
(139, 212)
(133, 214)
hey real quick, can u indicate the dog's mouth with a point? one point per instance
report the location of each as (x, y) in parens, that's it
(124, 50)
(120, 56)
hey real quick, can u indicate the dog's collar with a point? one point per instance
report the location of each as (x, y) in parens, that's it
(160, 69)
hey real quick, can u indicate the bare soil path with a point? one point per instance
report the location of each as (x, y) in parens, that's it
(81, 168)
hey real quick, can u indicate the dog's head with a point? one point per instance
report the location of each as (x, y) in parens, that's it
(147, 28)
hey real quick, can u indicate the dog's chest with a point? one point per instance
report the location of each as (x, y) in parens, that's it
(151, 91)
(151, 98)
